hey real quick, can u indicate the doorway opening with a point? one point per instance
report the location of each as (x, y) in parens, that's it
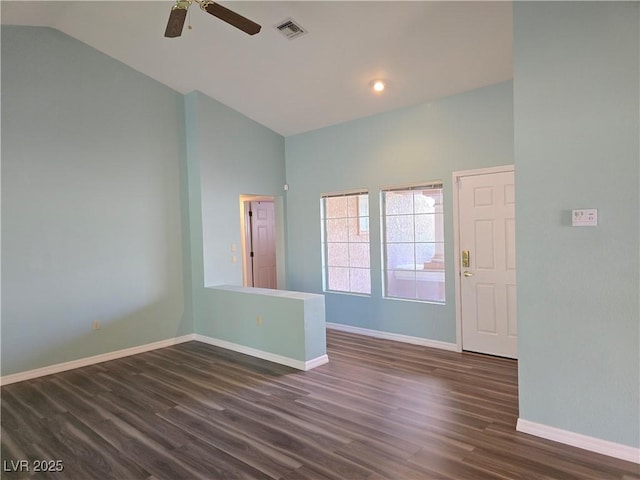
(259, 241)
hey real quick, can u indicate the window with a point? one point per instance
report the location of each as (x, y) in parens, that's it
(345, 243)
(413, 246)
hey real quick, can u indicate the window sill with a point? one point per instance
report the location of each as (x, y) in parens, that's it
(416, 300)
(351, 294)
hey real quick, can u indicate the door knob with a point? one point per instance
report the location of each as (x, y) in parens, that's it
(467, 273)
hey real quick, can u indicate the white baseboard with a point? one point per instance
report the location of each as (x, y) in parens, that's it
(425, 342)
(83, 362)
(605, 447)
(105, 357)
(316, 362)
(272, 357)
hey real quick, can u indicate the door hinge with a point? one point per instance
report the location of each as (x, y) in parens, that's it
(250, 213)
(251, 254)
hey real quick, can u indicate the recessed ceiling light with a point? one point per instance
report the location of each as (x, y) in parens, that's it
(378, 86)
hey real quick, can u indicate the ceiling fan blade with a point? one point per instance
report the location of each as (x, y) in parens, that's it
(176, 22)
(231, 17)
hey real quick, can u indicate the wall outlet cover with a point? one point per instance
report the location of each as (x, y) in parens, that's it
(585, 217)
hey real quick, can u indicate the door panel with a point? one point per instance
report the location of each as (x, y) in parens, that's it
(488, 286)
(484, 244)
(486, 308)
(263, 227)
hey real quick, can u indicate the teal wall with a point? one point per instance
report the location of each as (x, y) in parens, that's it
(120, 202)
(228, 155)
(292, 326)
(576, 100)
(236, 156)
(91, 221)
(422, 143)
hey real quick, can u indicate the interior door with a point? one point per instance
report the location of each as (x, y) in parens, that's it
(486, 204)
(263, 243)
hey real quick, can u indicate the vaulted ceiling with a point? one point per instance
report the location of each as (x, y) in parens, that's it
(423, 49)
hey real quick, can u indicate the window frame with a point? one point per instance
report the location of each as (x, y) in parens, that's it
(357, 194)
(439, 244)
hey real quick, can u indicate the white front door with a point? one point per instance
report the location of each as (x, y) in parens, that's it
(263, 241)
(487, 262)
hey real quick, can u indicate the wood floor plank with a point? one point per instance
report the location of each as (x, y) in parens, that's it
(379, 410)
(348, 428)
(304, 449)
(96, 457)
(381, 462)
(241, 446)
(217, 464)
(145, 421)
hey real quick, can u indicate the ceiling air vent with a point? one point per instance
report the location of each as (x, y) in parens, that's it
(290, 28)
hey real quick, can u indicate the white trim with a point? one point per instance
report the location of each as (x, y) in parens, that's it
(272, 357)
(413, 186)
(484, 171)
(605, 447)
(345, 193)
(316, 362)
(83, 362)
(456, 177)
(425, 342)
(105, 357)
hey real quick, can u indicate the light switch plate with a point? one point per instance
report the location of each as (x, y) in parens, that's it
(585, 217)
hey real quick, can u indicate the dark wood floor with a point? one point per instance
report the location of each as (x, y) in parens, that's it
(379, 410)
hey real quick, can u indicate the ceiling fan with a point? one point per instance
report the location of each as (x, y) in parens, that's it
(179, 13)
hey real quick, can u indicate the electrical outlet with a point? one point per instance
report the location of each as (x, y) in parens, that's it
(95, 325)
(259, 320)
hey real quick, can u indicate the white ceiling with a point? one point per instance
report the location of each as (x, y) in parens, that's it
(424, 49)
